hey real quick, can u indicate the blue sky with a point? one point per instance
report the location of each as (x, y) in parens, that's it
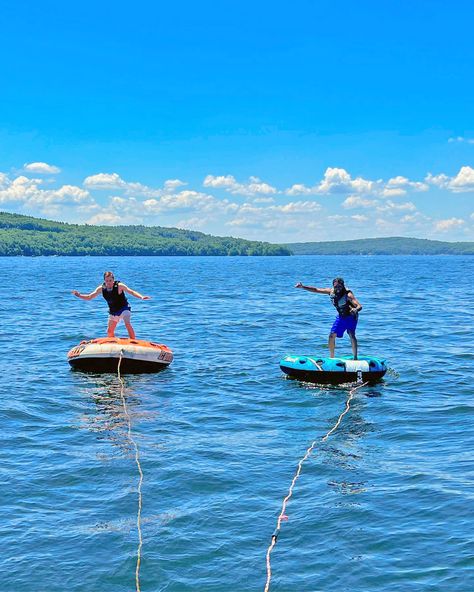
(266, 120)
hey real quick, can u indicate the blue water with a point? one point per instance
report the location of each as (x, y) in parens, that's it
(386, 503)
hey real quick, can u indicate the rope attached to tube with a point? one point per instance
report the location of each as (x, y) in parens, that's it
(282, 515)
(140, 481)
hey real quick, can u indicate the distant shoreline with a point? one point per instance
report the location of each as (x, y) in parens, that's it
(30, 237)
(382, 246)
(35, 237)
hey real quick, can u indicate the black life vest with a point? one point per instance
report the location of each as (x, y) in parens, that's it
(341, 302)
(117, 302)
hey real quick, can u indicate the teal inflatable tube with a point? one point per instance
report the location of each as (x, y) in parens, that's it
(334, 370)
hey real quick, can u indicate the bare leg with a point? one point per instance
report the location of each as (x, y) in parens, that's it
(111, 328)
(131, 332)
(332, 344)
(353, 343)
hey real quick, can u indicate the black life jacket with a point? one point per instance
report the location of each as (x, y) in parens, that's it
(117, 302)
(341, 302)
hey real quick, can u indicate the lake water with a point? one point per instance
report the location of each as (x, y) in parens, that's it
(386, 503)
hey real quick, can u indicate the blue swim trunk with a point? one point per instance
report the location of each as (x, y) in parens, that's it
(342, 324)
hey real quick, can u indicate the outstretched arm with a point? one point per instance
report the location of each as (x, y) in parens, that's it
(132, 292)
(313, 289)
(90, 296)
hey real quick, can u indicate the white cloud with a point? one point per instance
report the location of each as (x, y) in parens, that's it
(299, 189)
(104, 181)
(41, 168)
(339, 181)
(187, 199)
(173, 184)
(19, 189)
(297, 207)
(441, 180)
(66, 195)
(76, 194)
(130, 209)
(393, 192)
(401, 182)
(335, 181)
(390, 206)
(105, 219)
(449, 224)
(108, 181)
(291, 217)
(463, 181)
(228, 182)
(355, 201)
(28, 195)
(359, 206)
(221, 182)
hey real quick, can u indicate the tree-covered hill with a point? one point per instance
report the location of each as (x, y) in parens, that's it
(25, 235)
(383, 246)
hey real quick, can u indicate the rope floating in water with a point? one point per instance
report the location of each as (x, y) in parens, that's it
(282, 515)
(140, 481)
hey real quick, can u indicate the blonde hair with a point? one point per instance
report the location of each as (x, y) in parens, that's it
(108, 274)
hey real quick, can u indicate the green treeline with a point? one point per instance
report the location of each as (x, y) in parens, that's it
(24, 235)
(383, 246)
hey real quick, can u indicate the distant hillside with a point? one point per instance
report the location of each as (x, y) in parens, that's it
(383, 246)
(24, 235)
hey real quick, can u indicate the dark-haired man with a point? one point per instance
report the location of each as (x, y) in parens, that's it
(119, 308)
(348, 308)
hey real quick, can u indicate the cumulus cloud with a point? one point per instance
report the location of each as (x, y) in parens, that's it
(173, 184)
(19, 189)
(131, 209)
(441, 180)
(299, 189)
(335, 181)
(104, 181)
(67, 194)
(402, 183)
(109, 181)
(41, 168)
(255, 186)
(339, 181)
(393, 192)
(293, 215)
(461, 183)
(105, 219)
(28, 194)
(357, 204)
(188, 200)
(222, 182)
(449, 224)
(355, 201)
(390, 206)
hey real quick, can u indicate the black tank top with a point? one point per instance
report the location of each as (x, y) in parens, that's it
(117, 302)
